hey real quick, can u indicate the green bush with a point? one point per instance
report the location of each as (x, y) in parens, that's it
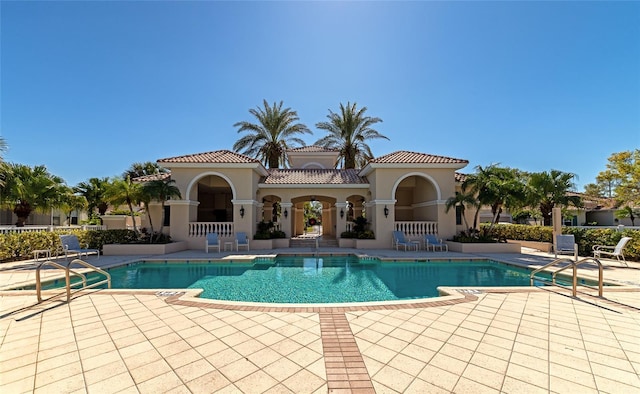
(20, 246)
(586, 238)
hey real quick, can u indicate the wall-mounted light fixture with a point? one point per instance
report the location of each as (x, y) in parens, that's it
(386, 211)
(341, 213)
(285, 213)
(242, 211)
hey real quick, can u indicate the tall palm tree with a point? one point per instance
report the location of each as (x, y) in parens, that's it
(31, 188)
(496, 187)
(548, 189)
(122, 191)
(141, 169)
(462, 200)
(274, 133)
(70, 201)
(93, 190)
(348, 132)
(159, 190)
(3, 166)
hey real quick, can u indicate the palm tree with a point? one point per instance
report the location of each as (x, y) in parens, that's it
(348, 132)
(462, 200)
(30, 189)
(269, 139)
(142, 169)
(496, 187)
(3, 166)
(70, 201)
(93, 190)
(123, 191)
(548, 189)
(159, 190)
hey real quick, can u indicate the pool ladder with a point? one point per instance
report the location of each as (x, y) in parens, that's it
(574, 266)
(68, 274)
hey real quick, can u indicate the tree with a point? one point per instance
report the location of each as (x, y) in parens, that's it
(627, 212)
(3, 166)
(144, 169)
(623, 170)
(123, 191)
(159, 190)
(94, 191)
(462, 200)
(496, 187)
(70, 201)
(270, 138)
(29, 189)
(549, 189)
(348, 132)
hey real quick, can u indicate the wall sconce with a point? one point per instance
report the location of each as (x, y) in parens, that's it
(285, 213)
(386, 211)
(341, 213)
(242, 211)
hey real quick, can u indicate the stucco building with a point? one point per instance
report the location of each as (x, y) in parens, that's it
(227, 192)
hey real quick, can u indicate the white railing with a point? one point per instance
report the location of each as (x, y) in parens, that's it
(201, 229)
(415, 229)
(31, 229)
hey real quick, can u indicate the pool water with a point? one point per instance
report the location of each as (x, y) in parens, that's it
(317, 280)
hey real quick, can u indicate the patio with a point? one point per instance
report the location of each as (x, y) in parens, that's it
(528, 340)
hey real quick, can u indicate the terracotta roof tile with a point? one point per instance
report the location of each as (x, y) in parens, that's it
(311, 148)
(153, 177)
(460, 177)
(406, 157)
(313, 177)
(218, 156)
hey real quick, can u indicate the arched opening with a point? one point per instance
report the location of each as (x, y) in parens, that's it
(416, 207)
(214, 194)
(313, 216)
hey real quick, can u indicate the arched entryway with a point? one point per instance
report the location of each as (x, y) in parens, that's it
(313, 215)
(416, 207)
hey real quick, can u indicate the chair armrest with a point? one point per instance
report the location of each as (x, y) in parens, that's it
(601, 247)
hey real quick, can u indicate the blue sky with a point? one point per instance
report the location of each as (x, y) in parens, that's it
(88, 88)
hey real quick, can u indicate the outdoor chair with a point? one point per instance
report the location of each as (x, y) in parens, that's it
(70, 244)
(430, 240)
(400, 240)
(212, 242)
(566, 244)
(614, 251)
(242, 240)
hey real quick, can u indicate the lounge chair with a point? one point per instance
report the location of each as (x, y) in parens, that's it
(614, 251)
(566, 244)
(212, 242)
(399, 240)
(70, 244)
(242, 240)
(430, 240)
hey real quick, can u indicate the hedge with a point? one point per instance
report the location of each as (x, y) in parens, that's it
(585, 237)
(20, 246)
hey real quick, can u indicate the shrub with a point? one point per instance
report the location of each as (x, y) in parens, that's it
(586, 238)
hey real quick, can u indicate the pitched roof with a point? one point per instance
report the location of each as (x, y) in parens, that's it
(312, 148)
(407, 157)
(278, 176)
(218, 156)
(460, 177)
(152, 177)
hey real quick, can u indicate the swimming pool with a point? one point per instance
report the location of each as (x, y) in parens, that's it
(317, 280)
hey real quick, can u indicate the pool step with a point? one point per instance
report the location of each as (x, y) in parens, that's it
(311, 243)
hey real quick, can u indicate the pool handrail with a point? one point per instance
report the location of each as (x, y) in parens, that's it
(574, 266)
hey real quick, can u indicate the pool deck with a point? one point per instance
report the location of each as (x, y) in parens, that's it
(492, 340)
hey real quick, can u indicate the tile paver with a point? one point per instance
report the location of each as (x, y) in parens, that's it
(523, 341)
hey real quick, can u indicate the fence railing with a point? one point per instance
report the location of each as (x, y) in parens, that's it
(416, 229)
(31, 229)
(201, 229)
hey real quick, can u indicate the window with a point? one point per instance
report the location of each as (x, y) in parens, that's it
(458, 215)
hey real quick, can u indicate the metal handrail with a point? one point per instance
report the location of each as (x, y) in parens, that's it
(107, 279)
(575, 274)
(56, 265)
(574, 266)
(68, 273)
